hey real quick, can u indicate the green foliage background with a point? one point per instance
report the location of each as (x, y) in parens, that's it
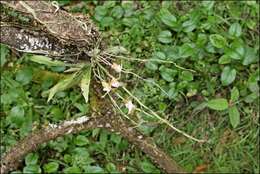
(218, 100)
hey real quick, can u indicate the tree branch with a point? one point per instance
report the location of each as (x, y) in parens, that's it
(111, 122)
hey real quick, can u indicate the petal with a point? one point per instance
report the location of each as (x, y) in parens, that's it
(116, 67)
(115, 83)
(130, 106)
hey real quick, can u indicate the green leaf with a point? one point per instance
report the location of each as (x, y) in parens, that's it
(95, 132)
(151, 65)
(4, 52)
(128, 7)
(235, 30)
(24, 75)
(237, 50)
(67, 158)
(172, 53)
(186, 50)
(182, 85)
(65, 83)
(130, 21)
(165, 36)
(107, 21)
(93, 169)
(32, 169)
(7, 98)
(51, 167)
(189, 25)
(251, 3)
(172, 93)
(234, 116)
(186, 76)
(159, 55)
(45, 60)
(250, 23)
(148, 167)
(251, 97)
(100, 12)
(252, 82)
(225, 59)
(228, 75)
(234, 94)
(217, 40)
(166, 4)
(73, 169)
(31, 158)
(103, 138)
(115, 138)
(117, 12)
(81, 140)
(109, 4)
(201, 40)
(210, 48)
(85, 82)
(218, 104)
(167, 74)
(82, 107)
(250, 56)
(56, 113)
(17, 115)
(208, 4)
(111, 168)
(123, 145)
(253, 86)
(167, 18)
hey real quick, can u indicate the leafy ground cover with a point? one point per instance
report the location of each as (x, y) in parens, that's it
(210, 89)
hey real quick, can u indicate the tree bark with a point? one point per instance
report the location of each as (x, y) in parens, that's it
(33, 41)
(110, 122)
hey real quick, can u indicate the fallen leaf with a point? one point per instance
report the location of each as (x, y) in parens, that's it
(201, 168)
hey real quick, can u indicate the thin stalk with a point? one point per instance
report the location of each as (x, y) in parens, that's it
(104, 69)
(155, 114)
(116, 105)
(102, 59)
(161, 119)
(157, 85)
(147, 60)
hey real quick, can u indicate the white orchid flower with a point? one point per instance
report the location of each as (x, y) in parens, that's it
(106, 86)
(116, 67)
(130, 106)
(115, 83)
